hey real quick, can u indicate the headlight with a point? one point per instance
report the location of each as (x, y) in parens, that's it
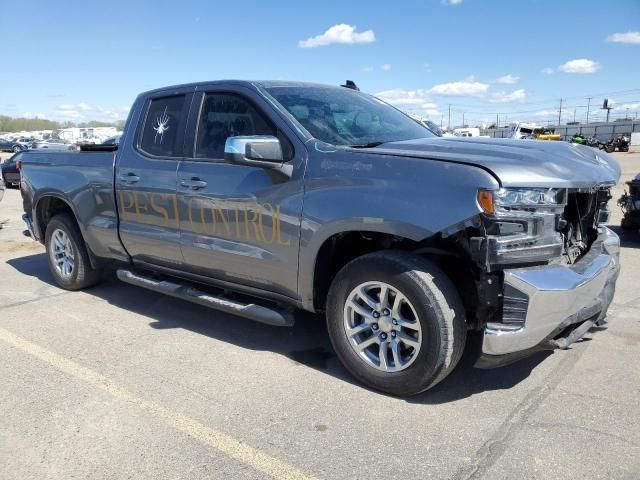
(507, 200)
(521, 224)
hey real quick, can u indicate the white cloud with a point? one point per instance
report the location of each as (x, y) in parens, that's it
(452, 2)
(547, 71)
(627, 37)
(508, 79)
(341, 33)
(580, 65)
(468, 87)
(367, 69)
(630, 106)
(69, 114)
(34, 115)
(83, 111)
(503, 97)
(399, 96)
(386, 67)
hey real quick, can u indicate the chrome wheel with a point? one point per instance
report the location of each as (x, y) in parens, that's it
(382, 326)
(62, 254)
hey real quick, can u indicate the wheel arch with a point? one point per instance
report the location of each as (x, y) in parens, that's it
(46, 207)
(316, 265)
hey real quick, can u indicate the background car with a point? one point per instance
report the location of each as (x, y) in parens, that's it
(54, 144)
(25, 141)
(10, 172)
(11, 146)
(115, 140)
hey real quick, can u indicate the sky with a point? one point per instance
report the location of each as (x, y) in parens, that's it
(80, 61)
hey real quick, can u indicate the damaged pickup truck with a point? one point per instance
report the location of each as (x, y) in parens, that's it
(259, 198)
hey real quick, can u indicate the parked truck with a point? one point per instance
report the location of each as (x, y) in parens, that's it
(260, 198)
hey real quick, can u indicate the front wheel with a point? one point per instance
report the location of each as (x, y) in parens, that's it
(609, 148)
(68, 257)
(396, 322)
(17, 148)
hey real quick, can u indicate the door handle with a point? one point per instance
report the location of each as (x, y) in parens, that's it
(129, 177)
(193, 183)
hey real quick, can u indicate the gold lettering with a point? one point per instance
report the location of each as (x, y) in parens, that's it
(140, 208)
(124, 195)
(190, 214)
(277, 224)
(159, 208)
(215, 211)
(253, 222)
(271, 210)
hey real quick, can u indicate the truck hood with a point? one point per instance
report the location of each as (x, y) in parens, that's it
(516, 163)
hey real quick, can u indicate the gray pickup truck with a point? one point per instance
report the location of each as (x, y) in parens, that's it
(259, 198)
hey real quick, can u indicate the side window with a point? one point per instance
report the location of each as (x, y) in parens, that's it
(163, 130)
(226, 115)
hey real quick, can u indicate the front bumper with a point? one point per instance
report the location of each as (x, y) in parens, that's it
(554, 297)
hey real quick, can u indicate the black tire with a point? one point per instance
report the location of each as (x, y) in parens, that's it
(17, 148)
(439, 311)
(83, 274)
(609, 148)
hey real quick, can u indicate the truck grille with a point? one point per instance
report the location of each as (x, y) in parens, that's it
(579, 222)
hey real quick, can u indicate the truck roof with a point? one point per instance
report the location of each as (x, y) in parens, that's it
(247, 83)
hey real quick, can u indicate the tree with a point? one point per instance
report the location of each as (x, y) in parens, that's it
(11, 124)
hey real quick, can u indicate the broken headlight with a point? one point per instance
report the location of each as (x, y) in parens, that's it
(521, 224)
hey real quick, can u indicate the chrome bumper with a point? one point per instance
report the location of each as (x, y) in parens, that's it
(558, 296)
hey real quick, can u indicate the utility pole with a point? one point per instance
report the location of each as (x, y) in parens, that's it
(463, 118)
(574, 114)
(497, 119)
(588, 105)
(449, 124)
(560, 113)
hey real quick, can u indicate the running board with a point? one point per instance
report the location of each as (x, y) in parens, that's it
(270, 316)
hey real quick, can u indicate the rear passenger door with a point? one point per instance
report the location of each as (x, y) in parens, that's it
(239, 223)
(146, 179)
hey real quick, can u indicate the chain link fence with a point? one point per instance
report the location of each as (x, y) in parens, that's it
(602, 131)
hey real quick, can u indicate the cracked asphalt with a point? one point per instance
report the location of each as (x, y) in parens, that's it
(119, 382)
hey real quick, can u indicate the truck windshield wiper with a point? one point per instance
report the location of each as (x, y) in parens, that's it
(367, 145)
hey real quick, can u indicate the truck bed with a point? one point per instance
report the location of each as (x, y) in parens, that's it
(85, 178)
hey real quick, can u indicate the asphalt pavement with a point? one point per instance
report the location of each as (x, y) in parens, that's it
(119, 382)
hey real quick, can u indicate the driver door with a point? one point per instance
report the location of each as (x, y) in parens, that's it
(239, 223)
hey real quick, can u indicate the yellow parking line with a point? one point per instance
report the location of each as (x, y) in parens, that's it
(221, 441)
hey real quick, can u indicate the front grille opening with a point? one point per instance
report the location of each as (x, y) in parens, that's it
(579, 223)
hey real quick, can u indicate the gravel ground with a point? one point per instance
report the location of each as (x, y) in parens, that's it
(119, 382)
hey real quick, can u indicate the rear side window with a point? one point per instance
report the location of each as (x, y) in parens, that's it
(163, 130)
(223, 116)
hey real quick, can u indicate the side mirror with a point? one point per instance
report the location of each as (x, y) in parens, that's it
(248, 150)
(262, 151)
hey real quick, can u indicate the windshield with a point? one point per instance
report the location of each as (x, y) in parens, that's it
(345, 117)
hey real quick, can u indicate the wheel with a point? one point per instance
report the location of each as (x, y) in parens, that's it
(17, 148)
(609, 148)
(396, 322)
(67, 253)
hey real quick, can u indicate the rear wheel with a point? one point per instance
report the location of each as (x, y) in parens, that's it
(396, 322)
(17, 148)
(68, 257)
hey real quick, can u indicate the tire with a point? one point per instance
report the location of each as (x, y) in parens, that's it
(436, 304)
(17, 148)
(82, 274)
(609, 148)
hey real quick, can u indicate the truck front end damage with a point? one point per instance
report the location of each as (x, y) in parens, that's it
(557, 262)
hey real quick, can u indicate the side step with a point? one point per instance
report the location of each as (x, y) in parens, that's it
(186, 292)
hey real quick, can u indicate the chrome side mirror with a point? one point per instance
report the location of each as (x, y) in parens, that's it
(247, 150)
